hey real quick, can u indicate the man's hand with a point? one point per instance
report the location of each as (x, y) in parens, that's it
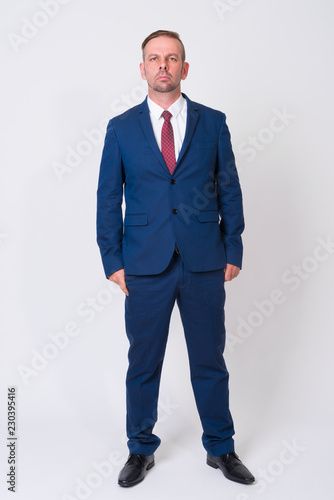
(231, 272)
(119, 278)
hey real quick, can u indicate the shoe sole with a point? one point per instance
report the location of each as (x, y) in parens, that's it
(128, 485)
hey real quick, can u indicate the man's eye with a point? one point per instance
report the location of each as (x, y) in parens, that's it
(172, 58)
(153, 58)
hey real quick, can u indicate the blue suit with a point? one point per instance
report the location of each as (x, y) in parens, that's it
(199, 209)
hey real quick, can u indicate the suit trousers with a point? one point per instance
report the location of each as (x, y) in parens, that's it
(200, 297)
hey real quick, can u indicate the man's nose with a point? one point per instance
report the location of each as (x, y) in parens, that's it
(163, 65)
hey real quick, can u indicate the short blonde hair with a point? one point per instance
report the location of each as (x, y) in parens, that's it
(171, 34)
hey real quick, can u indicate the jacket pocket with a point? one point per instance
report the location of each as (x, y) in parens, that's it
(135, 220)
(211, 216)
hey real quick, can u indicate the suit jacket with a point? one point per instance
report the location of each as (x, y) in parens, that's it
(199, 207)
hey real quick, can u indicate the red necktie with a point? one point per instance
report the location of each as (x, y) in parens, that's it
(167, 141)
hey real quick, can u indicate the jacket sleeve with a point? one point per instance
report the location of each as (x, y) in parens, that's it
(109, 223)
(229, 199)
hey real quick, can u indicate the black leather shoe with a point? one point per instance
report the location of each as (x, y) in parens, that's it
(232, 467)
(135, 468)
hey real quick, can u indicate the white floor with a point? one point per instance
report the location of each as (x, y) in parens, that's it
(67, 462)
(71, 424)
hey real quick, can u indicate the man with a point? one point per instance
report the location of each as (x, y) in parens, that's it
(179, 241)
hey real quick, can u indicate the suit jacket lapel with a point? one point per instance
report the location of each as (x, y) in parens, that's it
(145, 121)
(192, 119)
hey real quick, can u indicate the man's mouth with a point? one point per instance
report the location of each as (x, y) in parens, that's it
(163, 77)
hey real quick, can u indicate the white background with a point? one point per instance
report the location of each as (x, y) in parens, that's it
(61, 82)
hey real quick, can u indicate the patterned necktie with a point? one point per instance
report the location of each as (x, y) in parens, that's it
(167, 141)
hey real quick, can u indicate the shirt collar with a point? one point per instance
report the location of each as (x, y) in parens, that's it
(175, 108)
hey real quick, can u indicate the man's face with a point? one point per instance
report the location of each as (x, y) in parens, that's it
(162, 67)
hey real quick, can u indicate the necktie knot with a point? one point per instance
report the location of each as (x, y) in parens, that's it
(166, 115)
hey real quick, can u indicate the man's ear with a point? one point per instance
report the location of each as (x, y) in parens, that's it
(142, 70)
(185, 70)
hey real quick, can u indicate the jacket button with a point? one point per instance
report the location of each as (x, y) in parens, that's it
(174, 211)
(173, 181)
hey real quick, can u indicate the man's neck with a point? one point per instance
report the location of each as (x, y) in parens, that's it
(164, 99)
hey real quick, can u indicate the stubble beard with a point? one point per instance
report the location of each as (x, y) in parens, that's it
(164, 87)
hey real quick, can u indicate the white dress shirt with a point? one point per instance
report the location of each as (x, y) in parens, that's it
(179, 121)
